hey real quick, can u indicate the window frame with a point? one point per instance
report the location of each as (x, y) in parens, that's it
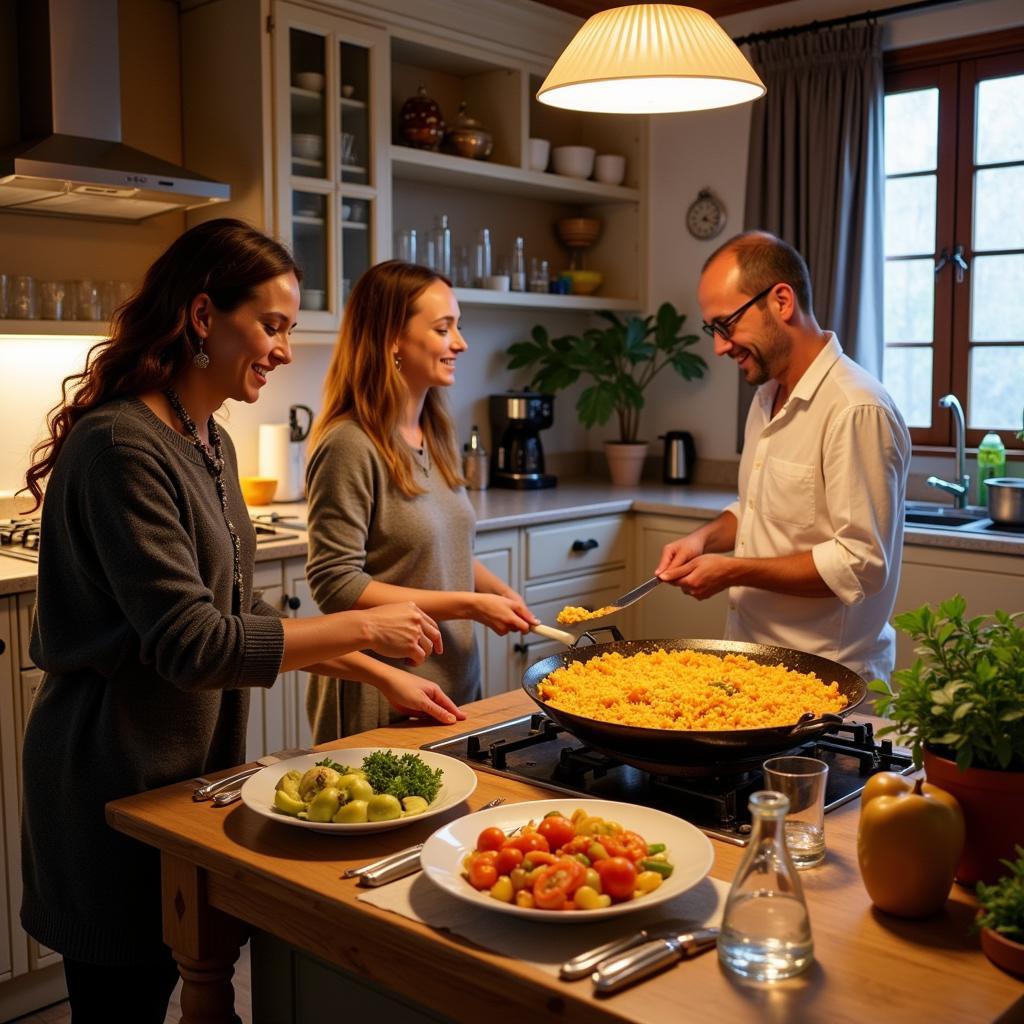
(954, 67)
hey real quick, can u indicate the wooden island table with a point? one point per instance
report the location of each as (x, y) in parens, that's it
(226, 871)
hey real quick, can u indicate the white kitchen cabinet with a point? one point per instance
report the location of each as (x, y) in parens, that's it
(499, 552)
(298, 602)
(268, 708)
(667, 613)
(929, 575)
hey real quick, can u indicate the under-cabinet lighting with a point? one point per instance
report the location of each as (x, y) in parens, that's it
(650, 59)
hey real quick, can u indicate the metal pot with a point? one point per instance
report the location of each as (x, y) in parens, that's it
(715, 752)
(1005, 497)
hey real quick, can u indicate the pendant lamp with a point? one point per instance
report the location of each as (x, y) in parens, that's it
(650, 59)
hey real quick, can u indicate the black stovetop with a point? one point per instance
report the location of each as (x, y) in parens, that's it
(535, 749)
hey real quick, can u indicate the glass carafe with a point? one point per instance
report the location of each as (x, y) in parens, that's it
(766, 930)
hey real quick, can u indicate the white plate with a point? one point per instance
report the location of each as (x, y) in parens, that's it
(457, 783)
(688, 850)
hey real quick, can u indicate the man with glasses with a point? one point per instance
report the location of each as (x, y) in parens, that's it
(817, 532)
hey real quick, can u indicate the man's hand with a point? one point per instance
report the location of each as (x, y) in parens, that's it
(675, 557)
(704, 576)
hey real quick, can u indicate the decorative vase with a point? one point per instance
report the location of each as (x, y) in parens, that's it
(993, 806)
(625, 461)
(467, 137)
(420, 121)
(1003, 952)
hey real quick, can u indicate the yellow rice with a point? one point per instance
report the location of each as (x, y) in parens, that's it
(572, 613)
(688, 690)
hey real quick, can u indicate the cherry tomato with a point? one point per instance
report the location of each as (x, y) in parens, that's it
(508, 859)
(618, 876)
(626, 844)
(578, 844)
(557, 882)
(490, 839)
(482, 873)
(556, 830)
(527, 841)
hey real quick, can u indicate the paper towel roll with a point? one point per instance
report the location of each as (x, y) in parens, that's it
(281, 459)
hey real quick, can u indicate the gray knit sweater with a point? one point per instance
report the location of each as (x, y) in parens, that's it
(146, 669)
(362, 528)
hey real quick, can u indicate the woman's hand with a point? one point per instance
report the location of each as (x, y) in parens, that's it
(419, 698)
(503, 612)
(402, 631)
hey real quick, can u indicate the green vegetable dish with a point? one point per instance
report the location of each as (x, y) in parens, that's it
(386, 787)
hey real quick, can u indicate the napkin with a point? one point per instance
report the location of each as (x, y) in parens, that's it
(545, 946)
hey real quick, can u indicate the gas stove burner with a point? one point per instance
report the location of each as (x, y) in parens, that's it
(535, 749)
(19, 538)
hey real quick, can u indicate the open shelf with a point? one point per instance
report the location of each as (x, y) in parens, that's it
(540, 300)
(56, 328)
(442, 169)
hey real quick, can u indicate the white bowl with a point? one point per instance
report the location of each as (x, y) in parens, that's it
(348, 91)
(537, 154)
(308, 147)
(457, 783)
(610, 169)
(496, 282)
(313, 298)
(574, 161)
(689, 851)
(311, 80)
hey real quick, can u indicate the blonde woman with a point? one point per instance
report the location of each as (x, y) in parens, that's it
(389, 520)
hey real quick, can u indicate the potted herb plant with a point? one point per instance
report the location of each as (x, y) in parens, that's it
(960, 708)
(1001, 919)
(621, 360)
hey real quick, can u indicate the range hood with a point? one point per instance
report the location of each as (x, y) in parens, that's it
(60, 134)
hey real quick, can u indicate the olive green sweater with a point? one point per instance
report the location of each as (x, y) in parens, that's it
(146, 669)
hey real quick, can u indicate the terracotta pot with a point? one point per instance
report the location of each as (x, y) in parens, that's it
(1003, 952)
(993, 806)
(625, 461)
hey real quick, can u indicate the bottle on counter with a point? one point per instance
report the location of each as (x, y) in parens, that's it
(991, 463)
(518, 277)
(474, 463)
(482, 268)
(766, 929)
(441, 235)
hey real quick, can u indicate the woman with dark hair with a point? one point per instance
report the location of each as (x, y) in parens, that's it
(389, 519)
(147, 626)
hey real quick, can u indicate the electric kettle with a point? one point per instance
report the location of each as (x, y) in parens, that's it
(679, 457)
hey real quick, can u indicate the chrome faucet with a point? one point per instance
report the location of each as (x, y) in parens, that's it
(958, 490)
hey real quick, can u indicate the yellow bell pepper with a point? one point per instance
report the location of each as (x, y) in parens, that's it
(909, 842)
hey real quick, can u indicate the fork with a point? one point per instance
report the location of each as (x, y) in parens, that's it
(206, 791)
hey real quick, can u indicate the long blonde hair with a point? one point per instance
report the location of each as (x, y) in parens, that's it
(363, 384)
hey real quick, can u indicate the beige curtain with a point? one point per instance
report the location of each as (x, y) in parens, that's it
(816, 175)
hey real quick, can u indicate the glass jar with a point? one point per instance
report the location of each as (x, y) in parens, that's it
(441, 235)
(766, 929)
(518, 276)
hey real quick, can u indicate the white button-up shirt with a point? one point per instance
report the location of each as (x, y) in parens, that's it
(827, 474)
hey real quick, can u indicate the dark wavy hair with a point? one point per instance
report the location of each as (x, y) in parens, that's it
(150, 340)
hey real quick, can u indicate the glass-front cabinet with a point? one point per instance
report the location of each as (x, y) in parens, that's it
(331, 83)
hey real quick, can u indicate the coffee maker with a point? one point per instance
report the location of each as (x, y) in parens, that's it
(517, 459)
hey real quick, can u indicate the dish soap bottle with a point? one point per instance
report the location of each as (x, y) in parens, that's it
(991, 463)
(474, 463)
(766, 930)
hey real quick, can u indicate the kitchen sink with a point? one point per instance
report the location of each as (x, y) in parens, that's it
(946, 517)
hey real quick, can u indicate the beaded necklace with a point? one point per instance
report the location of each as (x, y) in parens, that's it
(214, 462)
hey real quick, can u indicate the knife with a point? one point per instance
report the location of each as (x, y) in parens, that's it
(619, 971)
(232, 781)
(582, 965)
(634, 595)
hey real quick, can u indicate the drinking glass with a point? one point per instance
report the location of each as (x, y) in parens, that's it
(540, 275)
(51, 300)
(5, 288)
(348, 149)
(23, 303)
(802, 781)
(86, 300)
(407, 246)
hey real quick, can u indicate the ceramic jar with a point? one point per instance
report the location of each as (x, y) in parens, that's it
(420, 121)
(467, 137)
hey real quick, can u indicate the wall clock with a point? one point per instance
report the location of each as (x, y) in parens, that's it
(706, 216)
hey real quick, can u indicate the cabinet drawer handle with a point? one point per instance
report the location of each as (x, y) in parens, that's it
(3, 647)
(294, 603)
(585, 545)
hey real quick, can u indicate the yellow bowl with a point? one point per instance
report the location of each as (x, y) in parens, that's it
(258, 490)
(584, 282)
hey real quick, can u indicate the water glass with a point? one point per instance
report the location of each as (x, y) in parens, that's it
(540, 274)
(23, 301)
(5, 286)
(86, 296)
(51, 300)
(348, 149)
(462, 276)
(407, 246)
(802, 780)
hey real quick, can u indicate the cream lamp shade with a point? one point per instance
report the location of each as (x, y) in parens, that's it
(650, 59)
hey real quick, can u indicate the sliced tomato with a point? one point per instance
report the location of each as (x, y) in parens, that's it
(557, 882)
(527, 841)
(490, 839)
(556, 830)
(618, 876)
(578, 844)
(626, 844)
(508, 859)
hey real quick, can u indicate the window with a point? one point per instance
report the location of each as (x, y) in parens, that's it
(954, 237)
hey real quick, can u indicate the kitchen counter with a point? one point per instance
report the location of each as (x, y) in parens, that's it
(228, 869)
(498, 509)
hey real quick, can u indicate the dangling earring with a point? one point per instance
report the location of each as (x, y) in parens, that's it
(201, 360)
(398, 363)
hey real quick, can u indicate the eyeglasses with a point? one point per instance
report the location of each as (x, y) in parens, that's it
(723, 325)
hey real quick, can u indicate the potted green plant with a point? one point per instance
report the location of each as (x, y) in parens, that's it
(960, 707)
(1001, 919)
(621, 360)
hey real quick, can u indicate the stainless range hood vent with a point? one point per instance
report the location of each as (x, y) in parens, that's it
(62, 153)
